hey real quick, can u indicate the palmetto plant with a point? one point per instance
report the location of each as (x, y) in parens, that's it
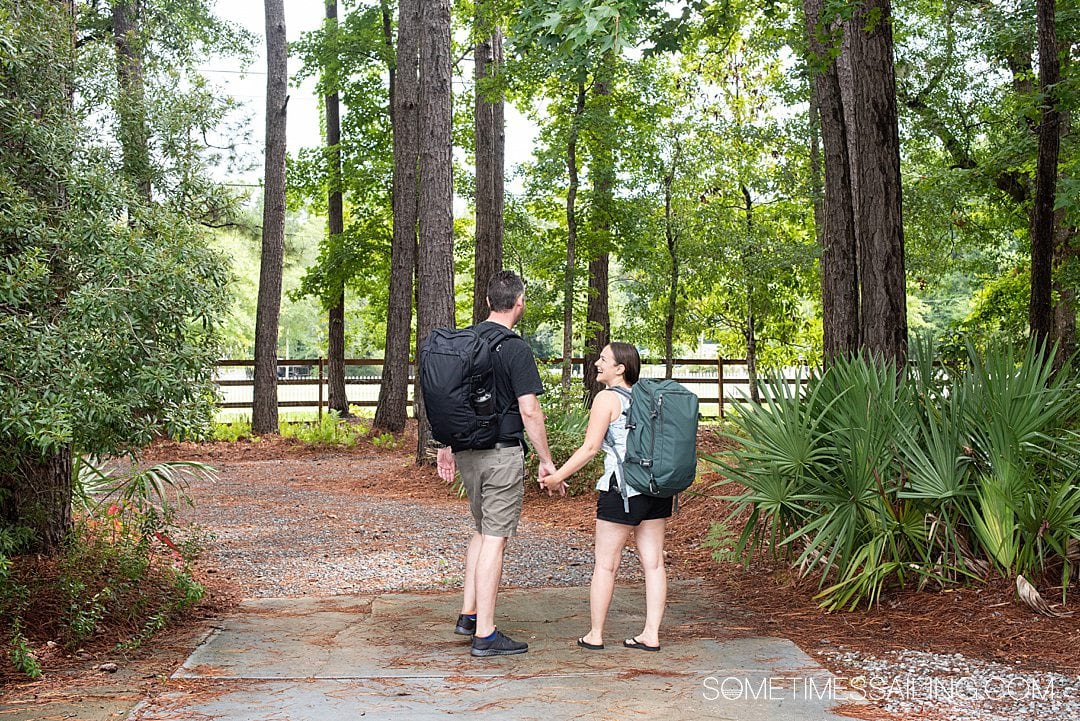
(158, 489)
(872, 478)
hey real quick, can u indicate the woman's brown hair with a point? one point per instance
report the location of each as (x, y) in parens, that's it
(627, 356)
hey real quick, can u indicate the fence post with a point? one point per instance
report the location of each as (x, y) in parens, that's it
(320, 387)
(720, 382)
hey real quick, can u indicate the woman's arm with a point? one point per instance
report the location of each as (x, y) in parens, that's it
(605, 409)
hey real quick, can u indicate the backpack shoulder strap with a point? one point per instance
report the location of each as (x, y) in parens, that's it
(495, 334)
(609, 439)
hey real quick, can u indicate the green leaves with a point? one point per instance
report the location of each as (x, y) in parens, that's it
(574, 34)
(159, 489)
(872, 478)
(107, 303)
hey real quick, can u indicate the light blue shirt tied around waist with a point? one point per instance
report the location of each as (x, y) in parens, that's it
(616, 431)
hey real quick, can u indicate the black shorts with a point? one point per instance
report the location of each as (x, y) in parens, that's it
(609, 507)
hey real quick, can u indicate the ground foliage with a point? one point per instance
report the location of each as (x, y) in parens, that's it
(871, 479)
(125, 573)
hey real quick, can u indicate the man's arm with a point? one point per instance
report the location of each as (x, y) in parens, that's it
(532, 416)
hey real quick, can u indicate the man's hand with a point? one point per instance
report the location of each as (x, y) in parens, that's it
(447, 464)
(547, 469)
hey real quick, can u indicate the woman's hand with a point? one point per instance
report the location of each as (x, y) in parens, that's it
(553, 484)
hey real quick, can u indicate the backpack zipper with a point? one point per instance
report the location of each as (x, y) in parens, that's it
(652, 449)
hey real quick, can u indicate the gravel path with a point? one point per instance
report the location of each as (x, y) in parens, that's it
(916, 684)
(318, 534)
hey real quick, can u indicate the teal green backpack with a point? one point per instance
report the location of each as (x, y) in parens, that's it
(661, 439)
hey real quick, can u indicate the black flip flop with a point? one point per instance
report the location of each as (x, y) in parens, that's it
(634, 643)
(591, 646)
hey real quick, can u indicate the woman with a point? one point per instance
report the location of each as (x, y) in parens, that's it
(618, 368)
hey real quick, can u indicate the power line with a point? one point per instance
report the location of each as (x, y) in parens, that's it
(231, 72)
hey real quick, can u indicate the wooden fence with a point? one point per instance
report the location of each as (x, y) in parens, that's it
(718, 382)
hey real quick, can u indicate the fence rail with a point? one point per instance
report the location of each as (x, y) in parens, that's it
(302, 381)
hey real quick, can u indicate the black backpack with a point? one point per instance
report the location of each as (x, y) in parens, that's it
(458, 382)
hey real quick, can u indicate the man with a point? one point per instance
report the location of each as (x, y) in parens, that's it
(495, 477)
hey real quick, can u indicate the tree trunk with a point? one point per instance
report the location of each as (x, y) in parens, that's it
(839, 257)
(336, 398)
(602, 170)
(671, 237)
(878, 217)
(264, 415)
(36, 494)
(131, 102)
(335, 346)
(391, 411)
(436, 275)
(489, 135)
(571, 239)
(498, 174)
(817, 182)
(750, 327)
(598, 323)
(1040, 311)
(1066, 257)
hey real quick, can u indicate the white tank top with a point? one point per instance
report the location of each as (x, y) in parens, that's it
(617, 431)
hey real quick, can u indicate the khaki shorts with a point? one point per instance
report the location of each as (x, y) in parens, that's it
(495, 482)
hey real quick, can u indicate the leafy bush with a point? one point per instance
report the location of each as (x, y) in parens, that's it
(233, 431)
(872, 478)
(330, 430)
(566, 432)
(385, 440)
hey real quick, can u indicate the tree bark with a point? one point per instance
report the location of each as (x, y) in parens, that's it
(671, 238)
(817, 171)
(571, 239)
(36, 494)
(337, 400)
(391, 411)
(602, 170)
(750, 327)
(839, 257)
(436, 274)
(1040, 310)
(1066, 256)
(131, 103)
(264, 416)
(878, 217)
(598, 323)
(489, 135)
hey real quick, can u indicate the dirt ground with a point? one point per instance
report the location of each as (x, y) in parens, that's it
(984, 622)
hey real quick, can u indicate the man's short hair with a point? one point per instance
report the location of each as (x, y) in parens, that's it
(503, 290)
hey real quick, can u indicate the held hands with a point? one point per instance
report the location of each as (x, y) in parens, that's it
(446, 464)
(550, 481)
